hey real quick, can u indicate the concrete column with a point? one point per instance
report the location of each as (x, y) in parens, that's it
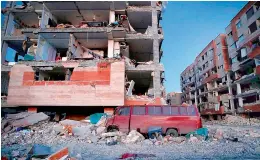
(156, 52)
(230, 92)
(196, 100)
(67, 75)
(239, 91)
(4, 51)
(112, 17)
(110, 49)
(157, 83)
(116, 52)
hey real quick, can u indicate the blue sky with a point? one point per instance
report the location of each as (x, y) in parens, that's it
(188, 28)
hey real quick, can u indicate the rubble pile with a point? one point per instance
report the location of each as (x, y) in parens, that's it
(238, 120)
(41, 131)
(235, 120)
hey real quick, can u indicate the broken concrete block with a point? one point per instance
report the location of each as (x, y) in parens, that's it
(178, 139)
(94, 139)
(134, 137)
(219, 134)
(81, 131)
(18, 115)
(193, 140)
(8, 128)
(100, 130)
(30, 120)
(4, 124)
(68, 122)
(111, 134)
(147, 142)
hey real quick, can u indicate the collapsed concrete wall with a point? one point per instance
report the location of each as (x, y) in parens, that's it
(88, 86)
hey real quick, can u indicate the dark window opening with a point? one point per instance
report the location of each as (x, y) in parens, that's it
(253, 27)
(250, 13)
(56, 74)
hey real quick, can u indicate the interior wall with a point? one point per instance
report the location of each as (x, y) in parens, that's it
(45, 51)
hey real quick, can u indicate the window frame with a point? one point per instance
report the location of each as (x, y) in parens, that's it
(252, 8)
(133, 107)
(239, 22)
(154, 110)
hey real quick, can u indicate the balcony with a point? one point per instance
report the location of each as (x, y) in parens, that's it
(210, 78)
(249, 38)
(254, 51)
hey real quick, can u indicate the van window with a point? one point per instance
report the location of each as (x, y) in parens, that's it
(138, 110)
(175, 111)
(183, 111)
(152, 110)
(191, 111)
(166, 110)
(124, 111)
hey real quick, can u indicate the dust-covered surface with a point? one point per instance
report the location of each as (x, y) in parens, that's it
(247, 147)
(235, 120)
(87, 141)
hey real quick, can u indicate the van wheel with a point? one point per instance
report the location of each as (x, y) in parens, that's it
(112, 129)
(172, 132)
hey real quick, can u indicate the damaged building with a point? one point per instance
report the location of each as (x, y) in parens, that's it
(96, 54)
(243, 39)
(224, 78)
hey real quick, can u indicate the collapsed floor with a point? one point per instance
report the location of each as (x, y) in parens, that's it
(90, 141)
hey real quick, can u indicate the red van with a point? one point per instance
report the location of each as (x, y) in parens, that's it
(173, 120)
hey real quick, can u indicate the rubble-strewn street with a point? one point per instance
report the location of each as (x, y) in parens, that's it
(89, 141)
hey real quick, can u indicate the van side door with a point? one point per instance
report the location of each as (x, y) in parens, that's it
(122, 117)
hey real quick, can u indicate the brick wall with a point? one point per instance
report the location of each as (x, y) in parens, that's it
(102, 85)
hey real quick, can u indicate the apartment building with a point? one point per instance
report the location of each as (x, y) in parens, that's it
(243, 37)
(224, 78)
(101, 54)
(205, 81)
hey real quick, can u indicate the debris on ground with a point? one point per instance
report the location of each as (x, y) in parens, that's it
(38, 130)
(136, 155)
(235, 120)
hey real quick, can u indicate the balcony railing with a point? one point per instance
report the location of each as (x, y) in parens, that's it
(254, 51)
